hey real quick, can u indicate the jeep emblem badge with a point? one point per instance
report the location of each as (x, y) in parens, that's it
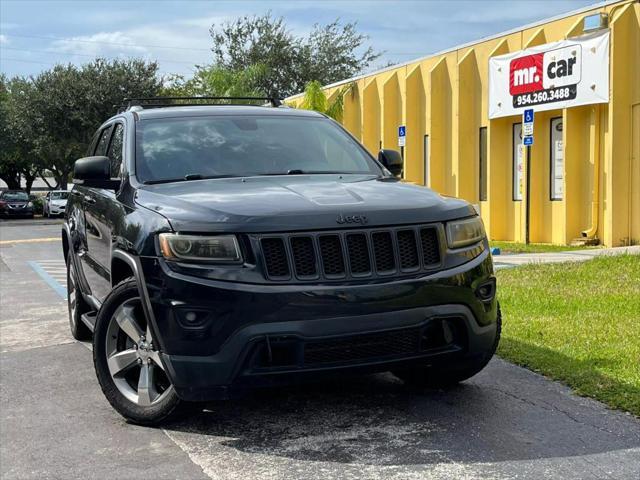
(361, 219)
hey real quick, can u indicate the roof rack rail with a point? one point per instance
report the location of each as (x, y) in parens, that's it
(157, 102)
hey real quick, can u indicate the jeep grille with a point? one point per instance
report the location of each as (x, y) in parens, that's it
(385, 252)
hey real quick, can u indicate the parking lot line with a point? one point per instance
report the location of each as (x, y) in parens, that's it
(30, 240)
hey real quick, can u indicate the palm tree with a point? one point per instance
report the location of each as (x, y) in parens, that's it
(315, 99)
(218, 81)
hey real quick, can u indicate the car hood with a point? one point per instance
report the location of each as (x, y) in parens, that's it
(59, 203)
(300, 202)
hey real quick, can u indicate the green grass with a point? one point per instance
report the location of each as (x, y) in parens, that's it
(578, 323)
(514, 247)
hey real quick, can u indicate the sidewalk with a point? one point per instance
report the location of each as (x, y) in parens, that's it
(514, 260)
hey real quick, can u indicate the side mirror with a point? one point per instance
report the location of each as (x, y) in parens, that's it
(392, 161)
(94, 172)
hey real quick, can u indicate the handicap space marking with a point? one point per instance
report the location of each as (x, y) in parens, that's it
(56, 269)
(50, 273)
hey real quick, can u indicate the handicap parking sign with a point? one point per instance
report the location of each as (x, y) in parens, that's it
(528, 115)
(528, 140)
(402, 135)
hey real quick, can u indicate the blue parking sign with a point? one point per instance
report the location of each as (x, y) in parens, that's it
(528, 140)
(528, 115)
(402, 135)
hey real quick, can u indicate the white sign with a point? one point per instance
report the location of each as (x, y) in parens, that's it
(402, 135)
(557, 160)
(517, 162)
(562, 74)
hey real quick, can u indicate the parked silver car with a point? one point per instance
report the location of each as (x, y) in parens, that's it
(55, 203)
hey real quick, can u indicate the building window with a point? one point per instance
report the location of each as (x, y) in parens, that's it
(517, 164)
(557, 159)
(425, 153)
(482, 155)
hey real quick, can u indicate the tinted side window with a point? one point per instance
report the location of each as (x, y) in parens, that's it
(92, 145)
(115, 150)
(103, 143)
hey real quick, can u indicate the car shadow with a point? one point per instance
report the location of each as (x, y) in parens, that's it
(504, 413)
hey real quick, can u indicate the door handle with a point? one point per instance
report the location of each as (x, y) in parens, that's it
(89, 200)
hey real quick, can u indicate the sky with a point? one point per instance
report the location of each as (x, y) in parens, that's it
(36, 34)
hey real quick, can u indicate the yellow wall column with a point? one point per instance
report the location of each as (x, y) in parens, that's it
(415, 122)
(371, 117)
(439, 122)
(467, 129)
(624, 79)
(391, 112)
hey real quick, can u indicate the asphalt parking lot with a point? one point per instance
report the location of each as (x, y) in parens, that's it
(506, 422)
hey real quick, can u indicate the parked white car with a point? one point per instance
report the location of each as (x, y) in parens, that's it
(55, 203)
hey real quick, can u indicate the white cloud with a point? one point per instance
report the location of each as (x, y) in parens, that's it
(177, 49)
(206, 22)
(103, 43)
(3, 40)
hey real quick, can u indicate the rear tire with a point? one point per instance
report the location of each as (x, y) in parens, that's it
(127, 363)
(76, 304)
(447, 376)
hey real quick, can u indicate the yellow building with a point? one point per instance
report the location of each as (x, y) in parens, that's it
(584, 177)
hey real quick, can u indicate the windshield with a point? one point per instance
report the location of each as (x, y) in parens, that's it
(15, 196)
(59, 195)
(218, 146)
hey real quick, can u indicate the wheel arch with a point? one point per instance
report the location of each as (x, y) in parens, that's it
(130, 266)
(120, 270)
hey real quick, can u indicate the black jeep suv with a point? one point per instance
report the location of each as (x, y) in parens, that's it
(211, 249)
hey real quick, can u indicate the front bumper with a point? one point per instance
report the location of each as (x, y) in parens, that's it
(16, 212)
(56, 209)
(246, 335)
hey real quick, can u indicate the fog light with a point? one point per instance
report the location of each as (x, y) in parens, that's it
(192, 319)
(486, 291)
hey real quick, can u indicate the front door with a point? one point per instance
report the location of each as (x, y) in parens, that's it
(97, 254)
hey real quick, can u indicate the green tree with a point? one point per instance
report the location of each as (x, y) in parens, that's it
(315, 99)
(69, 103)
(17, 148)
(9, 171)
(329, 53)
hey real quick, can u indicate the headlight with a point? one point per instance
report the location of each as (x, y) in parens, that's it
(30, 205)
(219, 248)
(465, 232)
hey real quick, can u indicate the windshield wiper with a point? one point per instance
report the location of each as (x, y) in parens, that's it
(296, 171)
(197, 176)
(188, 177)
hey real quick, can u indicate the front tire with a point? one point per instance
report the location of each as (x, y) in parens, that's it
(127, 362)
(447, 376)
